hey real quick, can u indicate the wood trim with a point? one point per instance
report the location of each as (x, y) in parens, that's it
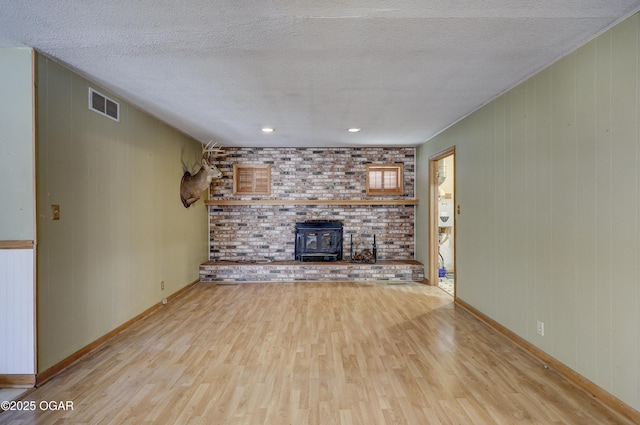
(235, 202)
(181, 291)
(433, 215)
(252, 171)
(27, 244)
(54, 370)
(17, 381)
(36, 188)
(432, 263)
(600, 395)
(397, 169)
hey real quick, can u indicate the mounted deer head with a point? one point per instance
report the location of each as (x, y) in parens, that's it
(192, 186)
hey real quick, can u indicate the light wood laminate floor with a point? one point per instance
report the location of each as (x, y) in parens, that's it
(311, 353)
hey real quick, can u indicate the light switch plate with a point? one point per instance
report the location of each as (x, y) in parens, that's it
(55, 212)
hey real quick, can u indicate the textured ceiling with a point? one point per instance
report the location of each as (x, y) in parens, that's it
(221, 69)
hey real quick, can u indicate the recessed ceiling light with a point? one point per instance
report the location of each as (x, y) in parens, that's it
(267, 130)
(353, 129)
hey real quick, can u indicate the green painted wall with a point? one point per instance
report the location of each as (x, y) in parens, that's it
(547, 180)
(17, 181)
(123, 228)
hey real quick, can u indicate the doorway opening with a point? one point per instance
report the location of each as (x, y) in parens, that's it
(442, 228)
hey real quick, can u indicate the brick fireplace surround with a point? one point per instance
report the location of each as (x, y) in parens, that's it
(255, 242)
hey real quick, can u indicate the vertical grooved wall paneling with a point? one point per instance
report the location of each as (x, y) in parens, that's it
(547, 179)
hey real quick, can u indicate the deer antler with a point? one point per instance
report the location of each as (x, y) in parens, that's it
(211, 150)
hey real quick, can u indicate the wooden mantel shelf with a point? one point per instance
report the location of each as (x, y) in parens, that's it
(233, 202)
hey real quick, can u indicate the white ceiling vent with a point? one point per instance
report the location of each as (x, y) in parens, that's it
(103, 105)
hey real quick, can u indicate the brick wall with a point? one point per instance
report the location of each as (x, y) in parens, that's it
(267, 231)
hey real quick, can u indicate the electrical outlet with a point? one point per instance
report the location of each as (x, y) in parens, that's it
(164, 301)
(540, 328)
(162, 285)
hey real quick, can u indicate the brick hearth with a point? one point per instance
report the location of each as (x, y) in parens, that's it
(278, 271)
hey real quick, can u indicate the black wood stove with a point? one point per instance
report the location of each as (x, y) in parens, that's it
(318, 240)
